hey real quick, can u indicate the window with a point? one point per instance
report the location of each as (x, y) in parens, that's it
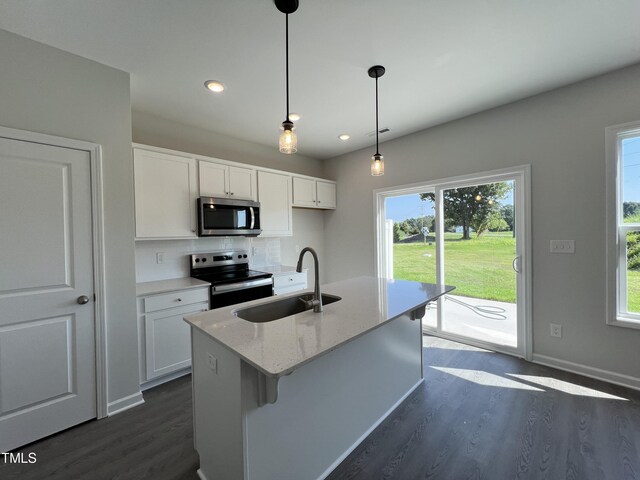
(623, 222)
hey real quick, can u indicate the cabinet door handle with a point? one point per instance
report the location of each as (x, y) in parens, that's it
(179, 300)
(231, 193)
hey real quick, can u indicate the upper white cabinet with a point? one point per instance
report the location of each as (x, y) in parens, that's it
(227, 181)
(326, 194)
(274, 195)
(313, 193)
(165, 195)
(167, 184)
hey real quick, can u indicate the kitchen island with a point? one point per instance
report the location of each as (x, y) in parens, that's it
(290, 398)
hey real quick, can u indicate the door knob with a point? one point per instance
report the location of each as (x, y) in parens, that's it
(82, 299)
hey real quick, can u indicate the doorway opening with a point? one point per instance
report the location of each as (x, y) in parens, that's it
(472, 233)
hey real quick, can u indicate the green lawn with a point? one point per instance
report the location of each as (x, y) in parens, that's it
(479, 268)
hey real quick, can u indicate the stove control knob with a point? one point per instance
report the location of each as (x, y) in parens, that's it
(204, 260)
(197, 260)
(244, 256)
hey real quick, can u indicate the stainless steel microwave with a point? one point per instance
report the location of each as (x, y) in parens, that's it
(225, 217)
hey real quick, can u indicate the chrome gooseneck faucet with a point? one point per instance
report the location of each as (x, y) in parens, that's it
(317, 297)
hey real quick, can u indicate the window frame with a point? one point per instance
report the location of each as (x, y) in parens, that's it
(617, 312)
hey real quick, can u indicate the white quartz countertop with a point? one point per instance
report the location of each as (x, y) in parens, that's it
(163, 286)
(278, 347)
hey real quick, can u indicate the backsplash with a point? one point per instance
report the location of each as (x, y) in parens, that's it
(262, 251)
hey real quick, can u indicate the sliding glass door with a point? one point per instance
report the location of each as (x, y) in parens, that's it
(469, 233)
(480, 258)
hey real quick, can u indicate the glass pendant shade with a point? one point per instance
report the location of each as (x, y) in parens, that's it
(377, 165)
(288, 138)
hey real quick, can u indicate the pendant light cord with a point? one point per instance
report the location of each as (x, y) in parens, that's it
(377, 129)
(287, 59)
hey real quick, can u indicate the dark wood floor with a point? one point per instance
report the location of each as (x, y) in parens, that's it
(478, 415)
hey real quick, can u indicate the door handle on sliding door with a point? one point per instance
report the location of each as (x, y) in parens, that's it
(516, 264)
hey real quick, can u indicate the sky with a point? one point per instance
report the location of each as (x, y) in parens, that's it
(631, 169)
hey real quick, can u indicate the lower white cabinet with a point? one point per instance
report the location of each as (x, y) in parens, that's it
(289, 282)
(165, 339)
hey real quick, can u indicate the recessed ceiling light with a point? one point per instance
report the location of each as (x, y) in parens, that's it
(214, 86)
(344, 137)
(294, 117)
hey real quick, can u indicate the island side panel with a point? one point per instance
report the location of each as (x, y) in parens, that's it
(217, 409)
(326, 407)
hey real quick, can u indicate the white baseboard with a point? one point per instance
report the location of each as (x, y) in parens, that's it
(201, 475)
(167, 378)
(333, 466)
(592, 372)
(125, 403)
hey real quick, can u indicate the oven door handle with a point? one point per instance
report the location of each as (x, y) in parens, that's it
(230, 287)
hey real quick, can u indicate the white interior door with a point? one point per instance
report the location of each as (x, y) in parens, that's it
(47, 342)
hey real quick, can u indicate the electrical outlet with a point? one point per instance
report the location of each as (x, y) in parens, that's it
(213, 363)
(160, 256)
(556, 330)
(562, 246)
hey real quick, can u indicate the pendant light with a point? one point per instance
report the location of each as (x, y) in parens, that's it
(288, 139)
(377, 160)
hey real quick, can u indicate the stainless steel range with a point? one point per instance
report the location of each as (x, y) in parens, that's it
(231, 279)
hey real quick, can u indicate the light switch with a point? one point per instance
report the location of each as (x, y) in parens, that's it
(160, 257)
(563, 246)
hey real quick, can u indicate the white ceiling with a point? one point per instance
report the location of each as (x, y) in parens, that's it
(444, 59)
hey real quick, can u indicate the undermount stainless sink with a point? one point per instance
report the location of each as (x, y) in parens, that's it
(268, 312)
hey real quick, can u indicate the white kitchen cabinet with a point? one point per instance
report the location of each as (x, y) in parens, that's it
(304, 192)
(165, 342)
(226, 181)
(165, 195)
(289, 282)
(313, 193)
(326, 194)
(274, 195)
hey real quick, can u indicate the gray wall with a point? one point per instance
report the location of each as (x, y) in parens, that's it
(46, 90)
(561, 135)
(160, 132)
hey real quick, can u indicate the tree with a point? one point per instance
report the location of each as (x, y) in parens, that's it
(630, 209)
(496, 222)
(507, 215)
(396, 232)
(471, 206)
